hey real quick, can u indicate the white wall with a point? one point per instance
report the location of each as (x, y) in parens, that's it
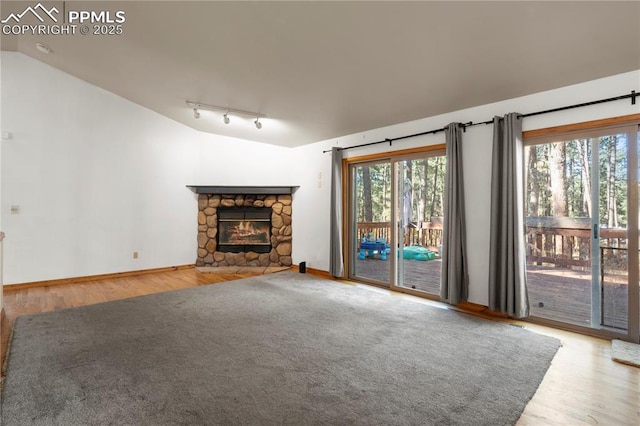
(97, 177)
(238, 162)
(311, 204)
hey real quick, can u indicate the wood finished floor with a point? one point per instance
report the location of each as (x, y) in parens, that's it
(582, 387)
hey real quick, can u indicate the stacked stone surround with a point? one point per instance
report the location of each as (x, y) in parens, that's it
(280, 206)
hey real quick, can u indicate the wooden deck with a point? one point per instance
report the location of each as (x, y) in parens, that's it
(419, 275)
(555, 293)
(558, 249)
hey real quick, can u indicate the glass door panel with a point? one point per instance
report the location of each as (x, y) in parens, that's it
(371, 221)
(633, 332)
(419, 203)
(558, 240)
(577, 230)
(613, 233)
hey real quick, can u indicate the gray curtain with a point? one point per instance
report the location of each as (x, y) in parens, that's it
(454, 281)
(336, 264)
(507, 261)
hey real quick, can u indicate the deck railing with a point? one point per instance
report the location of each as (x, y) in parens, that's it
(566, 242)
(557, 241)
(425, 234)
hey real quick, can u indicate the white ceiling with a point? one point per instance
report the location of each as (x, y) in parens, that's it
(320, 70)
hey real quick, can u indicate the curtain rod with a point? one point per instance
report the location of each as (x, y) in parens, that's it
(631, 96)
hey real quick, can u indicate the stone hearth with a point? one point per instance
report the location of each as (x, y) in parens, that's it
(281, 209)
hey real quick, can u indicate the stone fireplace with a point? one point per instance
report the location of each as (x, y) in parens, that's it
(244, 229)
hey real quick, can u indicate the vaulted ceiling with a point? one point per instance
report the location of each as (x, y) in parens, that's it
(320, 70)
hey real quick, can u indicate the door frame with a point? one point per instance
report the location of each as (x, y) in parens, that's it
(348, 247)
(593, 129)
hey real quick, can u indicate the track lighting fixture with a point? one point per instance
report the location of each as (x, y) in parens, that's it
(226, 111)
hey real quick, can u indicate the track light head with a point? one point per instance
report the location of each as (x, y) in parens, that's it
(258, 123)
(196, 113)
(226, 118)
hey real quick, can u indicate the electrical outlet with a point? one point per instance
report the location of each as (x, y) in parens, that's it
(135, 254)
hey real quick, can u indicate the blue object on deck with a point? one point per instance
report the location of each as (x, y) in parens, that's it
(369, 249)
(417, 253)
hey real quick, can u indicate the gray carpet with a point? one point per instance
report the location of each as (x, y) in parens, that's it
(285, 349)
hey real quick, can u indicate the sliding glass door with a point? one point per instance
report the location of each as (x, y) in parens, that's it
(582, 221)
(406, 191)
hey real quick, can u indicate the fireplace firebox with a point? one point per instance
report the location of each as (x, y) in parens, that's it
(244, 230)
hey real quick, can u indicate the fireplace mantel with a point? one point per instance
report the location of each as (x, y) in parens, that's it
(243, 190)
